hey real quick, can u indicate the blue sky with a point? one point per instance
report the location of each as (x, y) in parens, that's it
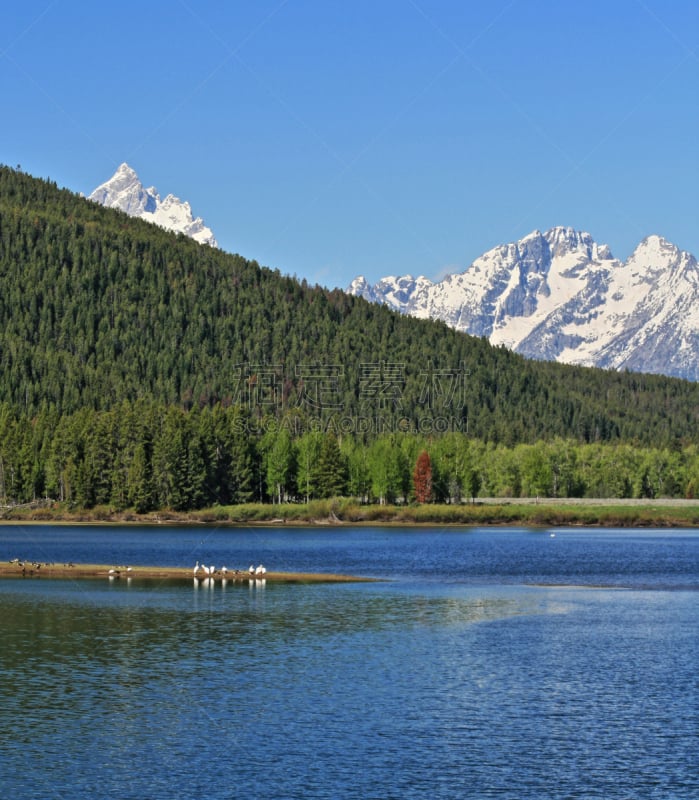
(330, 138)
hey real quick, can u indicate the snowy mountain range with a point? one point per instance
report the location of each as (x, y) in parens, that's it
(125, 191)
(561, 296)
(557, 295)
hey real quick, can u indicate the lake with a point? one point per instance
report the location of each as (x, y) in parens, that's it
(489, 663)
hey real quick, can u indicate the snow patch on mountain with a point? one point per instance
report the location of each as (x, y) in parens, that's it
(125, 191)
(561, 296)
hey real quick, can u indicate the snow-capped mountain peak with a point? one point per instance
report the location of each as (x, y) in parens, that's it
(361, 287)
(125, 191)
(560, 295)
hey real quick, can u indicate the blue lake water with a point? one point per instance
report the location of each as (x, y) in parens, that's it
(492, 663)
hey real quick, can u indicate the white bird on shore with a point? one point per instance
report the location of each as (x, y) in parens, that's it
(251, 569)
(260, 570)
(196, 569)
(224, 570)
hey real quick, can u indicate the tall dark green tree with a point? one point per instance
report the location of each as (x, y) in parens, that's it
(242, 474)
(139, 486)
(330, 470)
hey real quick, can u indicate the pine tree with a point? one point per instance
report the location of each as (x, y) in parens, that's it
(330, 472)
(139, 490)
(241, 478)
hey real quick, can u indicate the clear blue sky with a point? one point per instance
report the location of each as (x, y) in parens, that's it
(329, 138)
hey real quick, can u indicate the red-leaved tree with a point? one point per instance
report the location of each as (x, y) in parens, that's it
(422, 478)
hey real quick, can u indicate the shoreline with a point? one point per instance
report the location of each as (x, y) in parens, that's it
(27, 570)
(339, 513)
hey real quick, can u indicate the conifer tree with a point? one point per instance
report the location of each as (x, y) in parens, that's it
(330, 471)
(139, 490)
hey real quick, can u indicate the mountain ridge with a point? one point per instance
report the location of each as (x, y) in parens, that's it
(561, 296)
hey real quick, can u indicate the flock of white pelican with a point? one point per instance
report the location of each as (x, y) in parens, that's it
(201, 571)
(115, 572)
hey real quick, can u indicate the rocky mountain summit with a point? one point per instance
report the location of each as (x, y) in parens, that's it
(125, 191)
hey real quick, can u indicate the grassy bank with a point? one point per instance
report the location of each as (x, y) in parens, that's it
(338, 512)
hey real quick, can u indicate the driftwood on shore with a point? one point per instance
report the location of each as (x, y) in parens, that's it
(8, 509)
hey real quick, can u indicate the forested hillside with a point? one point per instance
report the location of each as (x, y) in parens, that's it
(97, 308)
(142, 370)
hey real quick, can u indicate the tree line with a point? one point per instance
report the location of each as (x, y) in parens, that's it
(146, 456)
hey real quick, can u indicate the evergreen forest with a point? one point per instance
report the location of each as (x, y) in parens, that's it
(143, 370)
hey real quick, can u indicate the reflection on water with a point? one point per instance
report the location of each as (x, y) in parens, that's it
(414, 687)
